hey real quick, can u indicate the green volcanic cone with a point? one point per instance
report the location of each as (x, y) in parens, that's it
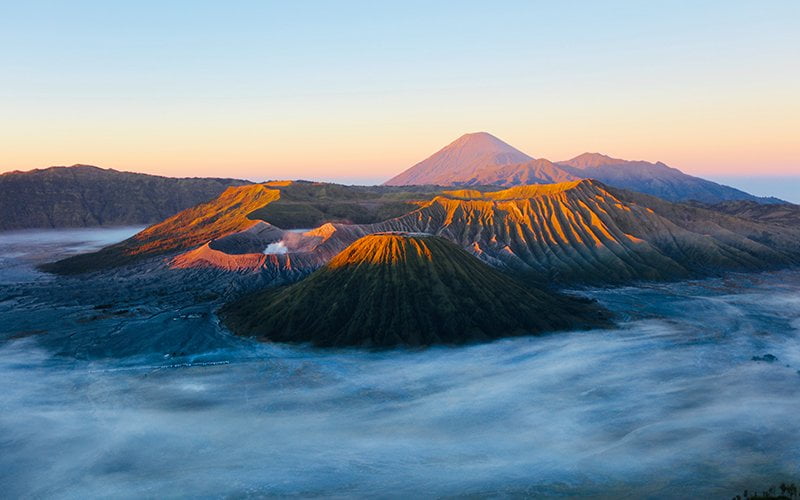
(396, 289)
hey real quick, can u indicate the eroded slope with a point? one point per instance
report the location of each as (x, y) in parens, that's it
(582, 231)
(571, 232)
(397, 289)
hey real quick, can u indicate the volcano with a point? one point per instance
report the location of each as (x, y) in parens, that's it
(394, 289)
(482, 159)
(460, 161)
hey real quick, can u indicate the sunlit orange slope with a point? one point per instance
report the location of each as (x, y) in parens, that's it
(222, 216)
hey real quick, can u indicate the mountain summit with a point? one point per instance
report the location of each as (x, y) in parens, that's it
(461, 159)
(481, 160)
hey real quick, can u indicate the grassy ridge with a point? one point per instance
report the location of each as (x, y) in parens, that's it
(311, 204)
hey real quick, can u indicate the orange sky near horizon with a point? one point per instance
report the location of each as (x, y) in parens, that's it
(366, 138)
(364, 154)
(359, 91)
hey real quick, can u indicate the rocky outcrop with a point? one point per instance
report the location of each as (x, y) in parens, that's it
(84, 196)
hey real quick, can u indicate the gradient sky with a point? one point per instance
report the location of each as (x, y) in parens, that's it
(356, 92)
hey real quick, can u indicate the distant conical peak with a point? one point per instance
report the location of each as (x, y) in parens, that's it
(483, 142)
(461, 160)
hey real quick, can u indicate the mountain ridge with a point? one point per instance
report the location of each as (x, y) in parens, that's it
(87, 196)
(784, 214)
(574, 232)
(445, 168)
(585, 232)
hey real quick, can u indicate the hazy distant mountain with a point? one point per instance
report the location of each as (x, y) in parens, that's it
(656, 179)
(83, 196)
(539, 171)
(482, 159)
(784, 214)
(397, 289)
(460, 160)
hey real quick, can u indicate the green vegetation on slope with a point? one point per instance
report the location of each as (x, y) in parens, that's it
(310, 204)
(390, 289)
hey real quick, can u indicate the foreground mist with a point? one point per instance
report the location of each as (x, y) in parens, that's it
(671, 403)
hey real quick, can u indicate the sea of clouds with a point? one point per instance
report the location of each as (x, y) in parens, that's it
(670, 403)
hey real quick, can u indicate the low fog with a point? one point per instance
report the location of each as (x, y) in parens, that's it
(669, 403)
(21, 250)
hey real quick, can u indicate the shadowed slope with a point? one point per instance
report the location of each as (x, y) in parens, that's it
(86, 196)
(783, 214)
(391, 289)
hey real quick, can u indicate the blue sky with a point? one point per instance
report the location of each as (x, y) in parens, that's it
(361, 90)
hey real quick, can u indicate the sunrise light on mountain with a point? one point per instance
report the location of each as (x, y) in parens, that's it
(354, 92)
(415, 249)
